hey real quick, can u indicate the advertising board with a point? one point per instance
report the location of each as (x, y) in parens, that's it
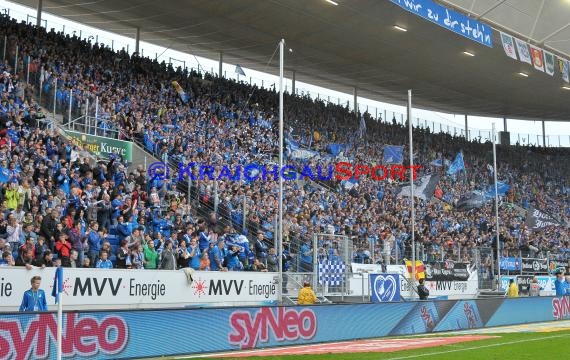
(120, 289)
(149, 333)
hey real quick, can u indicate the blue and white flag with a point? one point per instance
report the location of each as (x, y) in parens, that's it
(502, 189)
(457, 165)
(437, 163)
(57, 284)
(239, 70)
(393, 154)
(362, 127)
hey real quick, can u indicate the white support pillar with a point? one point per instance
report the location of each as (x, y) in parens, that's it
(466, 128)
(355, 103)
(293, 84)
(39, 14)
(138, 40)
(543, 134)
(220, 65)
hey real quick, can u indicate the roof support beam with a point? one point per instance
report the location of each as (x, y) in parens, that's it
(490, 9)
(554, 33)
(536, 20)
(138, 40)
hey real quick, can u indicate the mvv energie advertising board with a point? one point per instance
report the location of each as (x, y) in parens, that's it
(113, 289)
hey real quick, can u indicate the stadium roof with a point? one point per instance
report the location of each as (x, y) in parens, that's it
(355, 44)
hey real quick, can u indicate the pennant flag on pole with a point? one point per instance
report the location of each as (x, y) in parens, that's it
(509, 45)
(549, 63)
(565, 75)
(537, 58)
(457, 164)
(57, 284)
(524, 54)
(239, 70)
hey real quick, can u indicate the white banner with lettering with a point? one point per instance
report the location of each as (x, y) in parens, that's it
(131, 289)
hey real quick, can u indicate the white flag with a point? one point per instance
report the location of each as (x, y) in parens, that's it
(524, 53)
(509, 45)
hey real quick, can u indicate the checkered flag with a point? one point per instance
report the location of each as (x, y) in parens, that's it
(331, 272)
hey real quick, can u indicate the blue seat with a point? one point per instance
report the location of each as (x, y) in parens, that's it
(114, 249)
(113, 240)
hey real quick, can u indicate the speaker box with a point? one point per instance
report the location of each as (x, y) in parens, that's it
(505, 138)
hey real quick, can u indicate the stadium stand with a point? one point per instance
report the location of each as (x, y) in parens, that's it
(225, 122)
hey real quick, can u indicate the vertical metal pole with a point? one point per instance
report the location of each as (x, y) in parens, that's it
(543, 135)
(244, 212)
(280, 234)
(96, 109)
(220, 64)
(216, 200)
(71, 103)
(59, 324)
(137, 40)
(16, 60)
(412, 191)
(293, 84)
(28, 71)
(466, 128)
(39, 14)
(54, 98)
(496, 210)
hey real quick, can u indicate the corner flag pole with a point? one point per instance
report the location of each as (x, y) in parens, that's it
(56, 292)
(413, 211)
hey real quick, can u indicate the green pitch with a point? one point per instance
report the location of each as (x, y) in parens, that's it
(547, 345)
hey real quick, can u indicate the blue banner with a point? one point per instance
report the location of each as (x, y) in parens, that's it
(449, 19)
(385, 287)
(510, 263)
(393, 154)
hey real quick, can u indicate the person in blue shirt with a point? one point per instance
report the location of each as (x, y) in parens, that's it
(35, 298)
(560, 283)
(94, 240)
(104, 262)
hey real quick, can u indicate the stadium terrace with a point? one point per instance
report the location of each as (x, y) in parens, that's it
(251, 172)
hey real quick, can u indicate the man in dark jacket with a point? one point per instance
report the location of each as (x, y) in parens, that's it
(423, 291)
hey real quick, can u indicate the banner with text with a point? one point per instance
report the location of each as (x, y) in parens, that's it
(449, 19)
(101, 146)
(129, 289)
(136, 334)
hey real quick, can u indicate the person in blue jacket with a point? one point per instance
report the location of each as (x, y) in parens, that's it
(35, 298)
(560, 283)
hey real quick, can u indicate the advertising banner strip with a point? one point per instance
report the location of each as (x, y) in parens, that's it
(449, 19)
(135, 334)
(116, 288)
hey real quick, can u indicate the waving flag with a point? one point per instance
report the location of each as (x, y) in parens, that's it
(420, 268)
(57, 284)
(183, 96)
(457, 165)
(239, 70)
(393, 154)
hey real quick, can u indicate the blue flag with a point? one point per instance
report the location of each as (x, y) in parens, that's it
(393, 154)
(57, 284)
(239, 70)
(457, 164)
(502, 189)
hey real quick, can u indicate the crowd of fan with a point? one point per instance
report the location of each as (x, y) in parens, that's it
(55, 205)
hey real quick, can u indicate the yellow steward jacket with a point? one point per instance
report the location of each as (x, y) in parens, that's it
(306, 296)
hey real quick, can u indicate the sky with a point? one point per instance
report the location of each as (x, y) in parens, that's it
(524, 131)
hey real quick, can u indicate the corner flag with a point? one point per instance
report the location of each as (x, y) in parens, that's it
(57, 284)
